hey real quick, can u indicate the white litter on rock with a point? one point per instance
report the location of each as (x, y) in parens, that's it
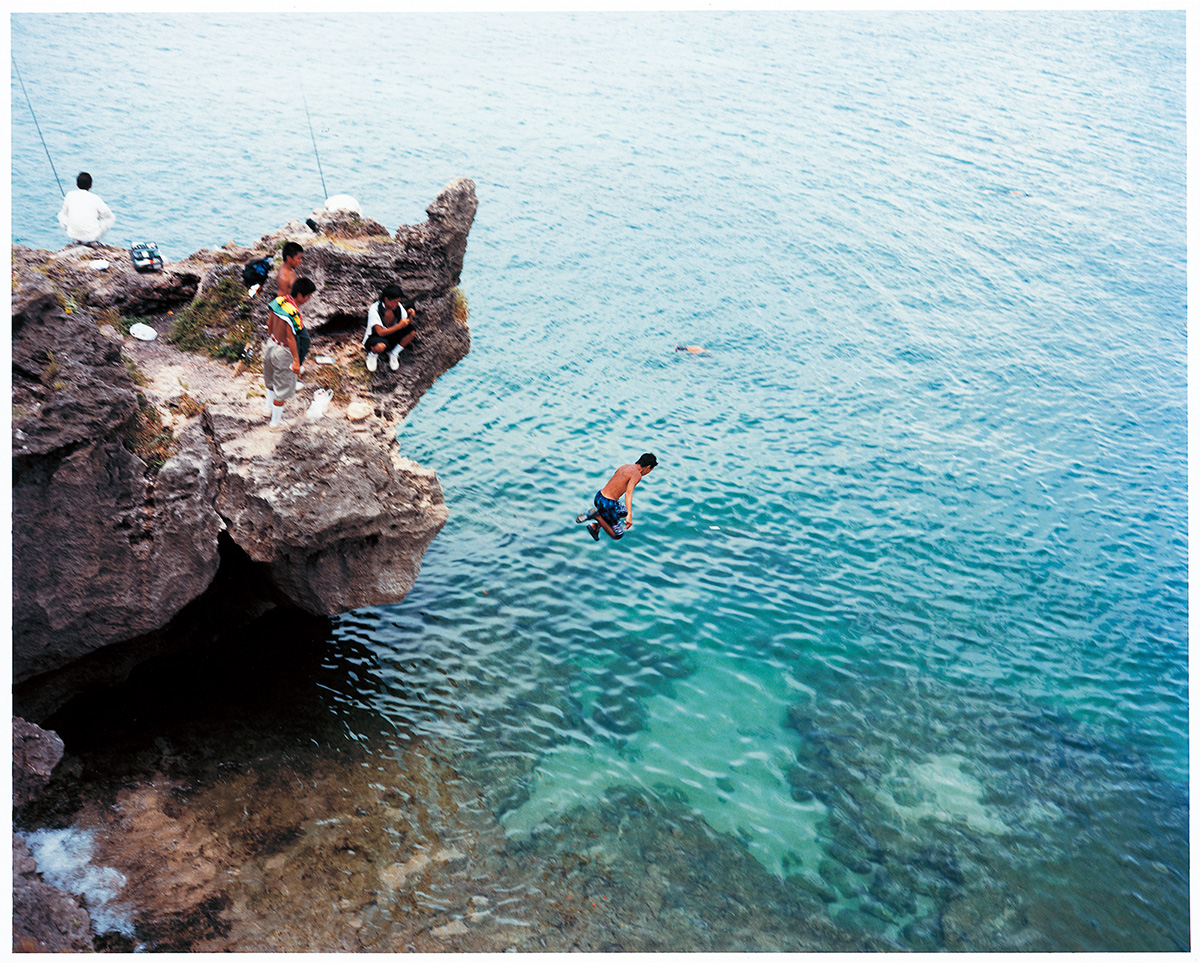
(320, 403)
(99, 264)
(142, 332)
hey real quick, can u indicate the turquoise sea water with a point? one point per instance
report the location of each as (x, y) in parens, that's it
(907, 594)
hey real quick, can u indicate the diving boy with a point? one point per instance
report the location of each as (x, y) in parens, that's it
(614, 503)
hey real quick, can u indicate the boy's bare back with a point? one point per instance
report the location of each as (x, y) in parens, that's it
(623, 479)
(286, 278)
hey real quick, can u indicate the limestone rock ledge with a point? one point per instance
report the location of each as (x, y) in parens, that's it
(327, 515)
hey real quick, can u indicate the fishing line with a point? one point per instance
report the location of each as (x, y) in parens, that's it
(39, 129)
(314, 140)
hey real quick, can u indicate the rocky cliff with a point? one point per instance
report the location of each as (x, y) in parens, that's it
(143, 472)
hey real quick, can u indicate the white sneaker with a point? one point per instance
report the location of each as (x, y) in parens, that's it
(372, 361)
(394, 360)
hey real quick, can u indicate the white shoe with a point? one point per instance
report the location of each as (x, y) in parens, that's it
(394, 360)
(372, 361)
(281, 426)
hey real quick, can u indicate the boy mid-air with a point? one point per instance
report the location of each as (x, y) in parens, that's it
(614, 502)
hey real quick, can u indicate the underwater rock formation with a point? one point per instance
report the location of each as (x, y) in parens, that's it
(928, 838)
(140, 470)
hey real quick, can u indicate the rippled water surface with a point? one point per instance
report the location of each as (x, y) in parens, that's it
(902, 626)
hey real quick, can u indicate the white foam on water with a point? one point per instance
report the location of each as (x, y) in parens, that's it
(64, 860)
(720, 743)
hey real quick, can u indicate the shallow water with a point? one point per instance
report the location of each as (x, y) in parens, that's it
(900, 635)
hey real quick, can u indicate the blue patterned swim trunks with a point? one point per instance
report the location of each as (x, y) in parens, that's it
(611, 511)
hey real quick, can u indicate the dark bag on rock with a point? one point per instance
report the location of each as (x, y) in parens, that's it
(255, 273)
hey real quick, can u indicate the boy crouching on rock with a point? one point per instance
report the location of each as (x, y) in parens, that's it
(286, 346)
(389, 328)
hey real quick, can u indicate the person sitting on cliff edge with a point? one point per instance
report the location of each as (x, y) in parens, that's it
(285, 348)
(83, 215)
(389, 328)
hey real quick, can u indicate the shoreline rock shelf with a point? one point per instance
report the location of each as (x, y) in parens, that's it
(115, 556)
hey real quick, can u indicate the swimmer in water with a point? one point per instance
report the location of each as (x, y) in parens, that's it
(694, 349)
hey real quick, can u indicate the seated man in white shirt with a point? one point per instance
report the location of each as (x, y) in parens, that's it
(84, 216)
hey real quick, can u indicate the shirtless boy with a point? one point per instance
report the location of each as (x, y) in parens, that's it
(289, 271)
(284, 350)
(615, 500)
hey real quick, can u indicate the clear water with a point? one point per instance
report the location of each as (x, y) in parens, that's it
(906, 597)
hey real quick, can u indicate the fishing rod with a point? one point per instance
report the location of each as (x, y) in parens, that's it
(314, 142)
(39, 130)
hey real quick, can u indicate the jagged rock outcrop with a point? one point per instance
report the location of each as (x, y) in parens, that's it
(108, 550)
(100, 553)
(36, 753)
(353, 258)
(336, 515)
(45, 919)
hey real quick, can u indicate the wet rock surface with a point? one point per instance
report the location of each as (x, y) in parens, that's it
(36, 752)
(45, 919)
